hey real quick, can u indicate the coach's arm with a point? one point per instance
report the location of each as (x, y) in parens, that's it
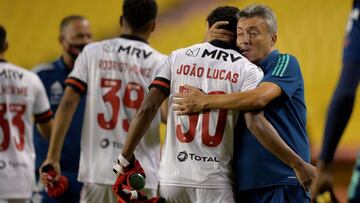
(195, 100)
(267, 135)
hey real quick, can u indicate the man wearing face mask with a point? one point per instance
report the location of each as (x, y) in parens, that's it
(75, 33)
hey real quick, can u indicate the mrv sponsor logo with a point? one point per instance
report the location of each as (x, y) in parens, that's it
(183, 156)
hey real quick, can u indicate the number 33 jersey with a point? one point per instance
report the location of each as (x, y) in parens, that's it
(115, 75)
(198, 148)
(22, 96)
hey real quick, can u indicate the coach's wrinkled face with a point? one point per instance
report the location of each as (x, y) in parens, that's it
(253, 38)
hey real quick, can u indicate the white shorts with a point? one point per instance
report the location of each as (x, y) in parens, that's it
(95, 193)
(178, 194)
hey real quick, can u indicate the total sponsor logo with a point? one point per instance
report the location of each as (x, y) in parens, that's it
(183, 156)
(105, 143)
(12, 164)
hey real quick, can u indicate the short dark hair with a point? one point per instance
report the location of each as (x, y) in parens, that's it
(2, 37)
(224, 13)
(139, 12)
(66, 21)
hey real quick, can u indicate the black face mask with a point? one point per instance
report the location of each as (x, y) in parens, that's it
(75, 49)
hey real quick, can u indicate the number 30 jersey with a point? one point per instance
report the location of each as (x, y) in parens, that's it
(115, 75)
(22, 96)
(198, 148)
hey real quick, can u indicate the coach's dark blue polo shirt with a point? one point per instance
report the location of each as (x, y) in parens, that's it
(255, 166)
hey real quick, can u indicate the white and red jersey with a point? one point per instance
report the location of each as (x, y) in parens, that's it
(198, 148)
(22, 96)
(115, 75)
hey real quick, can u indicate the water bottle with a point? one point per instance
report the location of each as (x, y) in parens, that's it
(137, 181)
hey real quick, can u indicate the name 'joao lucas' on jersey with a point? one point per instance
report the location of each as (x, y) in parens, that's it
(207, 72)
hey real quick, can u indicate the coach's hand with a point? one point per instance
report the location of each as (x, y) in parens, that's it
(323, 181)
(216, 33)
(306, 173)
(191, 101)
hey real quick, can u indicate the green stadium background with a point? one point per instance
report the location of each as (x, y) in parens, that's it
(311, 30)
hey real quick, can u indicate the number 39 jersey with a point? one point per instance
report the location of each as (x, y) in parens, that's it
(22, 96)
(115, 75)
(198, 148)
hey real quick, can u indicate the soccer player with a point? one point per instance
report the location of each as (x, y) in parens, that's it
(261, 176)
(341, 108)
(75, 33)
(22, 96)
(114, 75)
(197, 155)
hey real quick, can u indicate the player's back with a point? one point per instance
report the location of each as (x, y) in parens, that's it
(116, 73)
(199, 147)
(21, 96)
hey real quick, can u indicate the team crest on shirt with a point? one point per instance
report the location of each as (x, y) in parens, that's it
(56, 92)
(192, 53)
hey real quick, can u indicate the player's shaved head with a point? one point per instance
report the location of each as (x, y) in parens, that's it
(2, 38)
(138, 13)
(224, 13)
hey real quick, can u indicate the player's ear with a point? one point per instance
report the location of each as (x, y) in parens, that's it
(6, 46)
(121, 21)
(153, 25)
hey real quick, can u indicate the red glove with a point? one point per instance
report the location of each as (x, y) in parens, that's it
(125, 192)
(54, 188)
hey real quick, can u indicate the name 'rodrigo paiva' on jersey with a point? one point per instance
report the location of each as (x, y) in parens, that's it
(198, 148)
(22, 96)
(115, 75)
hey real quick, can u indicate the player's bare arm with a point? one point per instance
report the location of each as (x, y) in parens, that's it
(216, 33)
(194, 100)
(62, 122)
(45, 129)
(267, 135)
(164, 110)
(142, 121)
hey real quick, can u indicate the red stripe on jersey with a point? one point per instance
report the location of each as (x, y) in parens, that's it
(161, 83)
(79, 85)
(43, 117)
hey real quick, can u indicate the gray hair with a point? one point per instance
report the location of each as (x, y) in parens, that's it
(262, 11)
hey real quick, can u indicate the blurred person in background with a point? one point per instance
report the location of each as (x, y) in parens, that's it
(113, 75)
(75, 33)
(22, 96)
(340, 110)
(262, 177)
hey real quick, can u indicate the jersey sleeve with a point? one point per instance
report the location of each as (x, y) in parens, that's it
(253, 77)
(162, 80)
(41, 110)
(78, 77)
(286, 74)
